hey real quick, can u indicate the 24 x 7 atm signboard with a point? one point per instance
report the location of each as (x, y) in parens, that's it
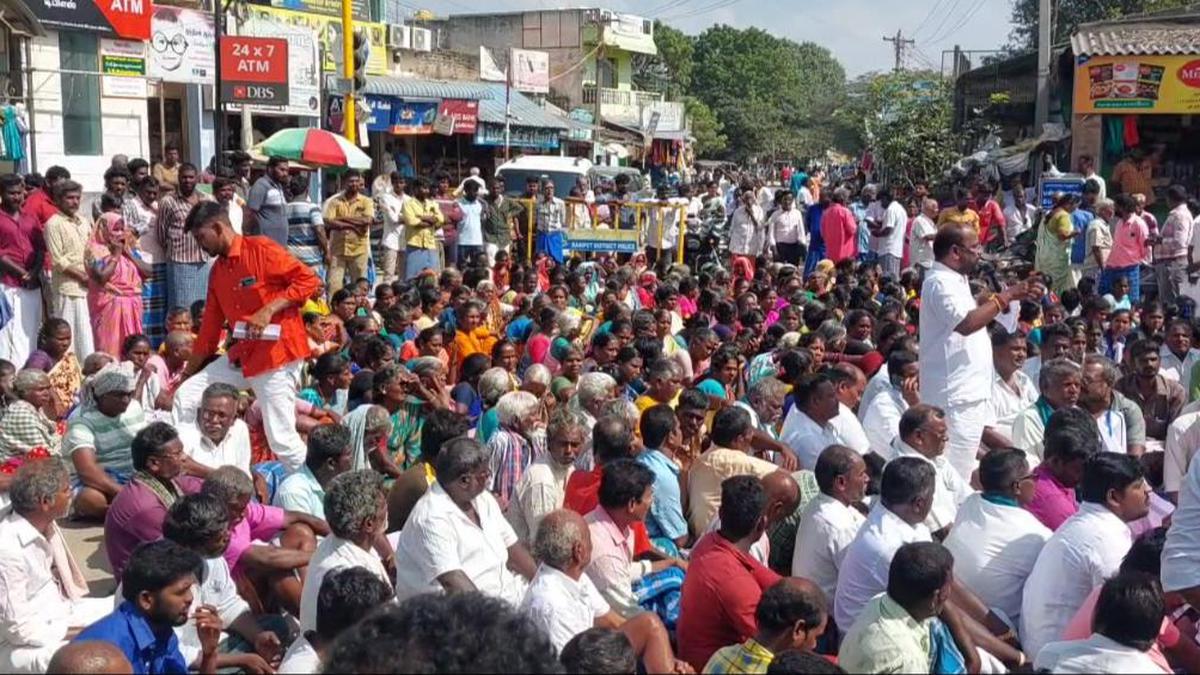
(254, 70)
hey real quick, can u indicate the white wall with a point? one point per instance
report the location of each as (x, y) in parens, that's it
(124, 122)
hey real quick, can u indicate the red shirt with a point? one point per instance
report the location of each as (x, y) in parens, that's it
(582, 495)
(255, 271)
(40, 206)
(990, 214)
(840, 232)
(20, 238)
(720, 594)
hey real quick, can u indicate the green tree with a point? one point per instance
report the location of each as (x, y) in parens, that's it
(670, 71)
(907, 118)
(1069, 14)
(706, 128)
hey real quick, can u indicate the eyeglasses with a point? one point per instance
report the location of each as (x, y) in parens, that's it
(178, 43)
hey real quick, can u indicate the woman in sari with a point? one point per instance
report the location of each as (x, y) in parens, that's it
(471, 337)
(1053, 256)
(26, 425)
(55, 357)
(370, 425)
(114, 284)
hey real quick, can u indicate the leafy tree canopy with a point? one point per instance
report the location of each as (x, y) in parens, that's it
(1069, 14)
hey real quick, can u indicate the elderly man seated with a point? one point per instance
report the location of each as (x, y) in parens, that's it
(266, 574)
(42, 591)
(98, 440)
(217, 437)
(511, 448)
(543, 487)
(923, 434)
(457, 539)
(1060, 382)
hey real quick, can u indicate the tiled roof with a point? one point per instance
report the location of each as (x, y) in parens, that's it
(1135, 39)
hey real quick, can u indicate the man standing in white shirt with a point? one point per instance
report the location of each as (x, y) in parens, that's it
(663, 226)
(43, 591)
(830, 521)
(785, 230)
(807, 429)
(470, 228)
(1171, 252)
(356, 508)
(995, 541)
(564, 602)
(1087, 168)
(1085, 550)
(923, 435)
(747, 231)
(887, 236)
(924, 229)
(1018, 216)
(217, 437)
(882, 417)
(956, 370)
(392, 266)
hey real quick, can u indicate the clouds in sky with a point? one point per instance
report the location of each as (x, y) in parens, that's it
(852, 29)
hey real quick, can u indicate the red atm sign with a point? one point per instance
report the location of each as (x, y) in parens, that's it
(254, 70)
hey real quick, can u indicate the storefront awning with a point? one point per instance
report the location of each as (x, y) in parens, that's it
(410, 89)
(1136, 39)
(524, 111)
(19, 18)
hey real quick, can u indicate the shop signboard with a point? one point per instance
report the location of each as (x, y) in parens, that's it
(327, 31)
(602, 241)
(521, 137)
(122, 57)
(128, 19)
(1071, 184)
(326, 7)
(1137, 85)
(381, 108)
(531, 71)
(182, 46)
(464, 113)
(413, 118)
(254, 70)
(304, 89)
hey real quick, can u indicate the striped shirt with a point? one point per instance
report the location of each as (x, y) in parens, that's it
(303, 220)
(109, 438)
(173, 211)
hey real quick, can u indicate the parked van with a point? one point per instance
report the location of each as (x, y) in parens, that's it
(563, 171)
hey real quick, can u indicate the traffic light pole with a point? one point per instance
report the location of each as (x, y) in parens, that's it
(350, 120)
(218, 108)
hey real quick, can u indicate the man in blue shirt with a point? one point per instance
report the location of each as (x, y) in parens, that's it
(665, 522)
(1081, 217)
(157, 587)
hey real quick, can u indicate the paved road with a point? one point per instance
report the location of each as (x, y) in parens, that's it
(86, 542)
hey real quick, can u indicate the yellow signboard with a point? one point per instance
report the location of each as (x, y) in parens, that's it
(329, 32)
(1134, 85)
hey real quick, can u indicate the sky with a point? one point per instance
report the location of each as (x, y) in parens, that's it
(852, 30)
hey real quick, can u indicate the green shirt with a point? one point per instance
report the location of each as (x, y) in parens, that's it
(404, 443)
(109, 437)
(885, 638)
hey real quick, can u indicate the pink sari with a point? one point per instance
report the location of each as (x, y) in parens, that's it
(115, 306)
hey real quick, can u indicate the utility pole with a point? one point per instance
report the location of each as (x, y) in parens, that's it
(1045, 31)
(598, 150)
(218, 107)
(348, 112)
(900, 43)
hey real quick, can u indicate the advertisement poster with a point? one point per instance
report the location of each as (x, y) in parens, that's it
(327, 30)
(182, 46)
(129, 19)
(302, 68)
(1066, 184)
(327, 7)
(531, 71)
(413, 118)
(1137, 84)
(463, 113)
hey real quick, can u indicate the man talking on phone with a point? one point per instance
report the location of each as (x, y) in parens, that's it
(256, 289)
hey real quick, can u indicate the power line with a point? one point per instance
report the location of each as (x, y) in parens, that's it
(705, 9)
(953, 7)
(966, 18)
(930, 15)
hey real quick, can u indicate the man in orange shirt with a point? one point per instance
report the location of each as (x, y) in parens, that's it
(257, 287)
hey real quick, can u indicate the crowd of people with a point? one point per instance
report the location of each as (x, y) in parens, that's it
(370, 435)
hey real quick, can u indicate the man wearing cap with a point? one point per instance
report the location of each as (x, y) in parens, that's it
(256, 288)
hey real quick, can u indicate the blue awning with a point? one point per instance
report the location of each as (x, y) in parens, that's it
(525, 111)
(407, 88)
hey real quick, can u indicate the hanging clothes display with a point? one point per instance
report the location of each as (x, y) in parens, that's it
(11, 133)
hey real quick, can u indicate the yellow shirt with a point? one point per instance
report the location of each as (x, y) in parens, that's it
(420, 235)
(707, 474)
(645, 402)
(953, 215)
(349, 242)
(67, 242)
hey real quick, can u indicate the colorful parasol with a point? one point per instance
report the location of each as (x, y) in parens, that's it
(315, 147)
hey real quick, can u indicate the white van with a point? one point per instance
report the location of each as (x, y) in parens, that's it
(564, 171)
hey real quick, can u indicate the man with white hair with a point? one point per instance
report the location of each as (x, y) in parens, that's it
(518, 413)
(543, 487)
(592, 395)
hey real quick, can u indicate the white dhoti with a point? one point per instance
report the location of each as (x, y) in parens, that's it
(275, 391)
(964, 427)
(16, 338)
(35, 656)
(74, 310)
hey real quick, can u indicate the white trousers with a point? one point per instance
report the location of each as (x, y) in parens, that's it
(275, 391)
(36, 659)
(492, 250)
(965, 424)
(16, 339)
(75, 312)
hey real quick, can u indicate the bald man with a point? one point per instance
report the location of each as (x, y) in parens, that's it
(564, 602)
(90, 656)
(790, 615)
(783, 498)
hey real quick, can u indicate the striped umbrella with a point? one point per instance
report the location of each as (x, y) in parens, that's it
(315, 147)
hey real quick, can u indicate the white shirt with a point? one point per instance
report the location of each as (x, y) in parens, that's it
(955, 369)
(787, 227)
(881, 420)
(880, 381)
(1180, 371)
(33, 610)
(994, 548)
(1112, 430)
(920, 251)
(826, 529)
(950, 490)
(664, 218)
(849, 430)
(745, 237)
(1181, 556)
(1017, 220)
(864, 570)
(542, 489)
(1100, 181)
(895, 217)
(1006, 404)
(393, 220)
(301, 659)
(1097, 654)
(219, 590)
(332, 554)
(1028, 432)
(1086, 550)
(1183, 439)
(470, 228)
(440, 538)
(806, 438)
(1033, 370)
(561, 606)
(233, 450)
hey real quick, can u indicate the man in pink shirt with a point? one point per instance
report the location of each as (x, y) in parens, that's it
(839, 229)
(1071, 437)
(264, 572)
(1130, 247)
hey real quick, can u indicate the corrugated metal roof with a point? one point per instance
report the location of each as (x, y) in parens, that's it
(525, 111)
(431, 89)
(1134, 39)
